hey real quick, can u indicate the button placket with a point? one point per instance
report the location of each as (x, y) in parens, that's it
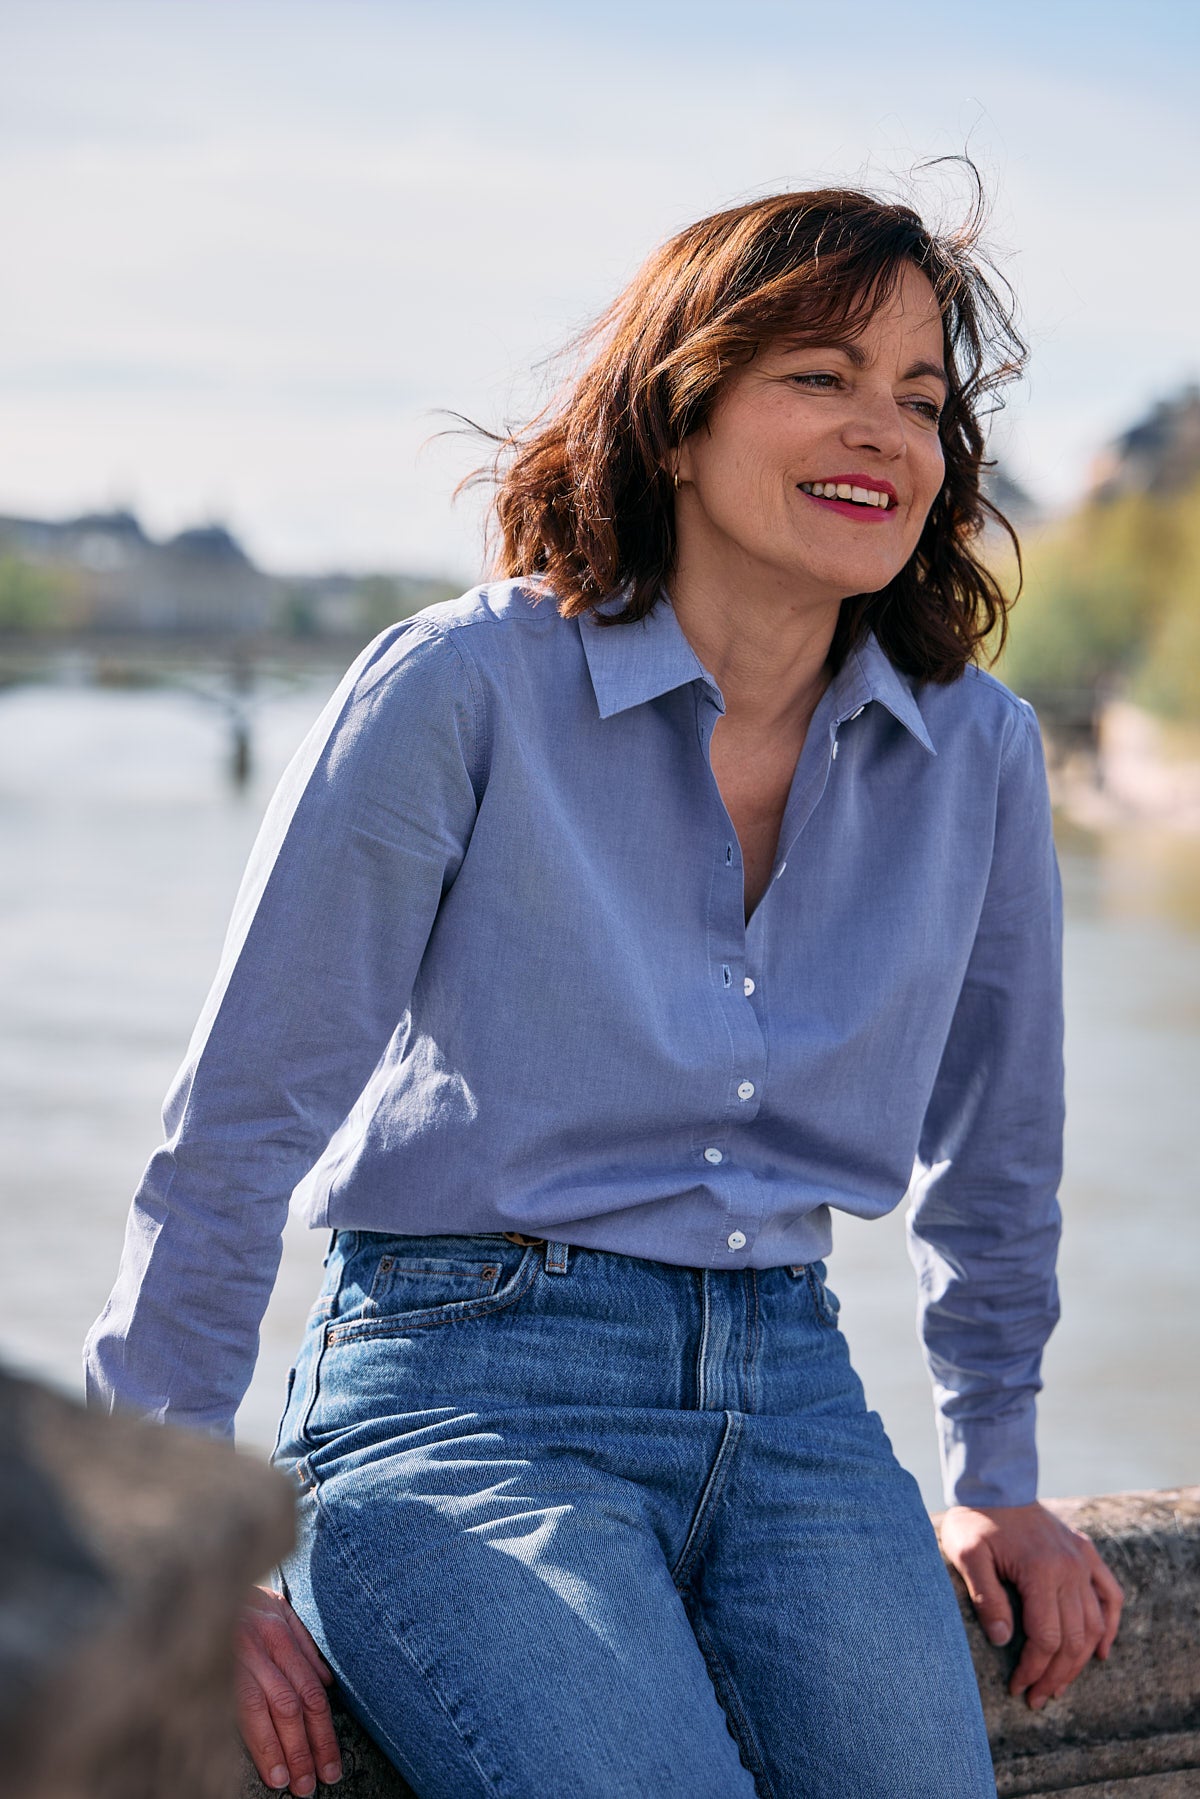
(743, 1050)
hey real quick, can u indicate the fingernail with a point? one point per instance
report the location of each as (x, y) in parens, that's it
(331, 1772)
(1059, 1691)
(278, 1777)
(999, 1633)
(304, 1786)
(1036, 1704)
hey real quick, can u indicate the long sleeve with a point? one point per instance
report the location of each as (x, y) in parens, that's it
(983, 1223)
(362, 838)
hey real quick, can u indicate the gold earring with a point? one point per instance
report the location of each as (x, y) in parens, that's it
(676, 480)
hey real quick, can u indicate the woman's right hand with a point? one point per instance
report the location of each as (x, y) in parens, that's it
(283, 1711)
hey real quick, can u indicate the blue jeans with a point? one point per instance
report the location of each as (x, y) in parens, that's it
(575, 1523)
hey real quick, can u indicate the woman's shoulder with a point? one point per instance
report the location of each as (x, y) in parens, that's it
(977, 711)
(509, 637)
(495, 614)
(449, 645)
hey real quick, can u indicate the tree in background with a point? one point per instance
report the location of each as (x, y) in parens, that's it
(35, 599)
(1111, 603)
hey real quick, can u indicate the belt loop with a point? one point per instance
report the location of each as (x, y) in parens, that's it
(557, 1257)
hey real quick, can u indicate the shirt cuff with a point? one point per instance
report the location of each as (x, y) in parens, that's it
(990, 1461)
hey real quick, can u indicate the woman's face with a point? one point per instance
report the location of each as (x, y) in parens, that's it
(795, 421)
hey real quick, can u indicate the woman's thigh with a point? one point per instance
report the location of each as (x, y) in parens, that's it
(533, 1646)
(568, 1522)
(489, 1575)
(833, 1637)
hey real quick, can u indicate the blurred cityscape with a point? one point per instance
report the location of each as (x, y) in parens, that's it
(1105, 640)
(100, 580)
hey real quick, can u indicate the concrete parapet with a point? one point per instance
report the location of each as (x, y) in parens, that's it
(1129, 1728)
(125, 1554)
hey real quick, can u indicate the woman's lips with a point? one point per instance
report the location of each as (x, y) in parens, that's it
(868, 515)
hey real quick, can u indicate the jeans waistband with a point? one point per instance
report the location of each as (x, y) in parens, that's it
(558, 1255)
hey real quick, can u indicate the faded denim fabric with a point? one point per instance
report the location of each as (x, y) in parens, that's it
(574, 1523)
(488, 970)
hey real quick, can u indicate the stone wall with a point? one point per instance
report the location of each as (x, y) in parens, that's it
(125, 1554)
(126, 1551)
(1129, 1728)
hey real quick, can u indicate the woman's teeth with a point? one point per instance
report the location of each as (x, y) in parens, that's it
(842, 490)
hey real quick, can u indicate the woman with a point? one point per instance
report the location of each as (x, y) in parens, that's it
(614, 924)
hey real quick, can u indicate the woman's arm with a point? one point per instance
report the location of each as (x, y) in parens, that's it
(983, 1233)
(984, 1221)
(363, 836)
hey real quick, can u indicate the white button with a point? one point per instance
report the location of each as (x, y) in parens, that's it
(855, 714)
(714, 1156)
(780, 870)
(833, 753)
(746, 1090)
(736, 1240)
(747, 986)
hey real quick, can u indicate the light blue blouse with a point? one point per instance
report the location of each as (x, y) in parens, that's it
(489, 970)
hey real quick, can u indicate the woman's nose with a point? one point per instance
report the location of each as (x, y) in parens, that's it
(876, 423)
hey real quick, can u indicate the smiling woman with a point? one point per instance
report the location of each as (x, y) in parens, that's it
(616, 926)
(794, 285)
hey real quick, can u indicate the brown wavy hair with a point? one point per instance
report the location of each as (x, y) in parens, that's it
(583, 494)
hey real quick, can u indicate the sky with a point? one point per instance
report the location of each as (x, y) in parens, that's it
(254, 252)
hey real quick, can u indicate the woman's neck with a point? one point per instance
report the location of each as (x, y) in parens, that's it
(767, 651)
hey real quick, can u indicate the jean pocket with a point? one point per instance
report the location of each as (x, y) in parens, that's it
(392, 1285)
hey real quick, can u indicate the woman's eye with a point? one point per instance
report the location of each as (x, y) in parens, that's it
(817, 377)
(930, 410)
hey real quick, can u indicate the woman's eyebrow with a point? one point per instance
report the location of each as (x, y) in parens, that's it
(858, 356)
(928, 368)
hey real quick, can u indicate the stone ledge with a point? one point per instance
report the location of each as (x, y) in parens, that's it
(1138, 1714)
(125, 1554)
(1181, 1785)
(1115, 1767)
(1127, 1729)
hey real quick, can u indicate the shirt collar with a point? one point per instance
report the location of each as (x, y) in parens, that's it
(868, 673)
(631, 664)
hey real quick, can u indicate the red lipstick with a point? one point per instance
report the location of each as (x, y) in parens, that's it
(853, 508)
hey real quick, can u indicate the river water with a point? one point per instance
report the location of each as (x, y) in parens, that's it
(121, 845)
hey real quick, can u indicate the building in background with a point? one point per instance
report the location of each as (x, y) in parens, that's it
(111, 576)
(101, 574)
(1160, 454)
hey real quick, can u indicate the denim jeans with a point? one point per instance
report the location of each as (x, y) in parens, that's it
(576, 1523)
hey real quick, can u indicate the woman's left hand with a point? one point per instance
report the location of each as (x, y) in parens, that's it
(1070, 1600)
